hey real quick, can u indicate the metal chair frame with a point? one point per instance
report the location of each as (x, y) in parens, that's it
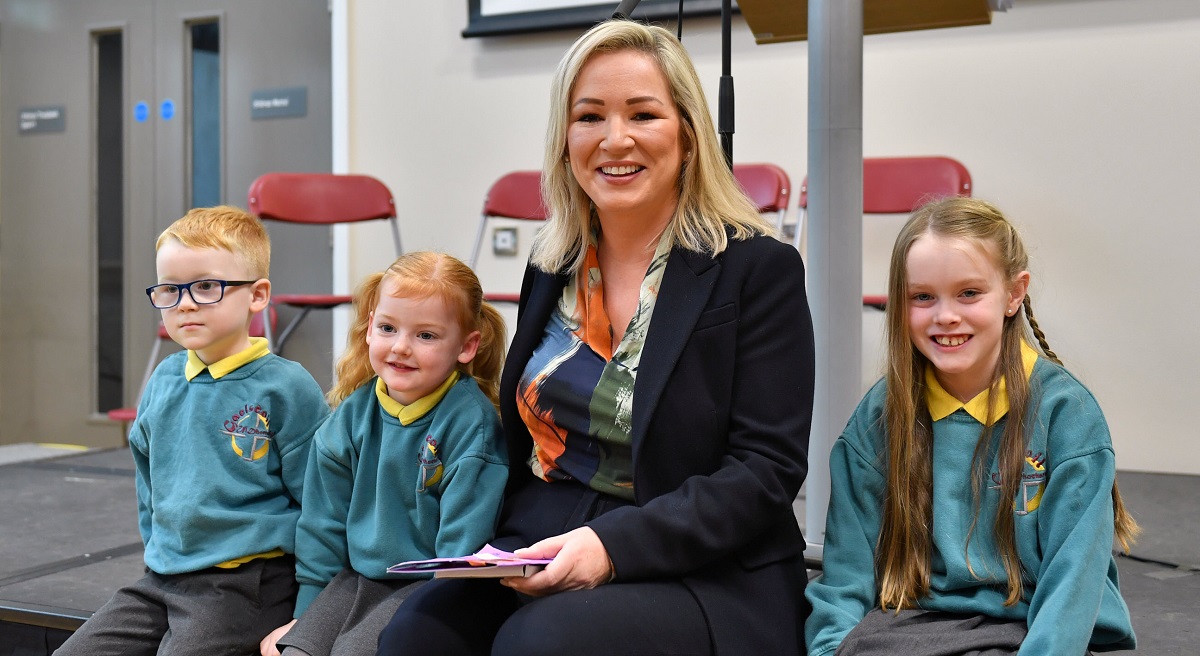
(768, 187)
(515, 195)
(320, 199)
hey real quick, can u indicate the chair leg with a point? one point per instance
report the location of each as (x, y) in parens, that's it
(802, 214)
(478, 242)
(396, 236)
(287, 330)
(268, 330)
(150, 364)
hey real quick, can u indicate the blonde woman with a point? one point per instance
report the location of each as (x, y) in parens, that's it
(657, 396)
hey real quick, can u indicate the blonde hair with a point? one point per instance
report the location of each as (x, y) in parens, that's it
(228, 228)
(422, 275)
(902, 558)
(710, 200)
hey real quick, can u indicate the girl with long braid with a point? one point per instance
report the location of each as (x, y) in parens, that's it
(974, 500)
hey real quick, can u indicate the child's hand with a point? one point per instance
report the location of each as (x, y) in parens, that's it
(267, 646)
(580, 563)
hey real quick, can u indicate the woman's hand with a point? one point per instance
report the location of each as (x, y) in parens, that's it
(580, 563)
(267, 646)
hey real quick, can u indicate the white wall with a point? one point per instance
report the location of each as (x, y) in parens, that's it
(1079, 118)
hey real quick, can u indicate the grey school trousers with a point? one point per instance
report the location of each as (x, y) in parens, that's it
(210, 612)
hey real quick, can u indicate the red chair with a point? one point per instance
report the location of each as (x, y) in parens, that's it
(768, 187)
(320, 199)
(125, 416)
(899, 185)
(516, 195)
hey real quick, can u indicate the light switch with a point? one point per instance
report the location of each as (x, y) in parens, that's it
(504, 242)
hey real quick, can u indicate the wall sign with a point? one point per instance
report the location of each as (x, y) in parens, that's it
(279, 103)
(47, 118)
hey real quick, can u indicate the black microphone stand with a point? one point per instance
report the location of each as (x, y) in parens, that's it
(725, 92)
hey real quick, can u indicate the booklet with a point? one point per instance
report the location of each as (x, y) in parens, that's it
(488, 562)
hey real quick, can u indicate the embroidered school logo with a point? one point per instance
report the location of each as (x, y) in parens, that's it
(430, 463)
(249, 431)
(1033, 484)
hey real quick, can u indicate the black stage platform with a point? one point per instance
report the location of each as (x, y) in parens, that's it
(68, 539)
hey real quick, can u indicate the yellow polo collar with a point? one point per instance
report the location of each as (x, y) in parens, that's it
(942, 404)
(407, 414)
(258, 348)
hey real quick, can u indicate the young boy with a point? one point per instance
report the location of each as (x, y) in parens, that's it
(220, 442)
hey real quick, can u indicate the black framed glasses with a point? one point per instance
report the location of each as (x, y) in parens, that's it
(203, 292)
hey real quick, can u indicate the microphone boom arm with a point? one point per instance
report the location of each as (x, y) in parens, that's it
(625, 8)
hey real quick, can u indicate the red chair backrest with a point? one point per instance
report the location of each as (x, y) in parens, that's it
(767, 185)
(321, 198)
(898, 185)
(517, 195)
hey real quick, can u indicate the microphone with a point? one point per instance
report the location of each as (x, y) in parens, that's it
(625, 9)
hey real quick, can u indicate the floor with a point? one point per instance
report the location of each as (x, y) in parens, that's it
(68, 538)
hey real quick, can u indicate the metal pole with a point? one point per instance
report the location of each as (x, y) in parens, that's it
(340, 115)
(835, 37)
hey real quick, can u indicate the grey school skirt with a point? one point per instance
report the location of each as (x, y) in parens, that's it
(348, 615)
(932, 633)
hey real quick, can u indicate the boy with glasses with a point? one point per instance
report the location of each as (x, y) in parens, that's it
(220, 442)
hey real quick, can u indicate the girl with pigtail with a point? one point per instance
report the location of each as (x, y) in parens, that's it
(411, 463)
(974, 500)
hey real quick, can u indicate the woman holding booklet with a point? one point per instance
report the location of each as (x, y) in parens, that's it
(657, 395)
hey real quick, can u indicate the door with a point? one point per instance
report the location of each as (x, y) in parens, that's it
(118, 116)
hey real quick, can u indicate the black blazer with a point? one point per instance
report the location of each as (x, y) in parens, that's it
(722, 407)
